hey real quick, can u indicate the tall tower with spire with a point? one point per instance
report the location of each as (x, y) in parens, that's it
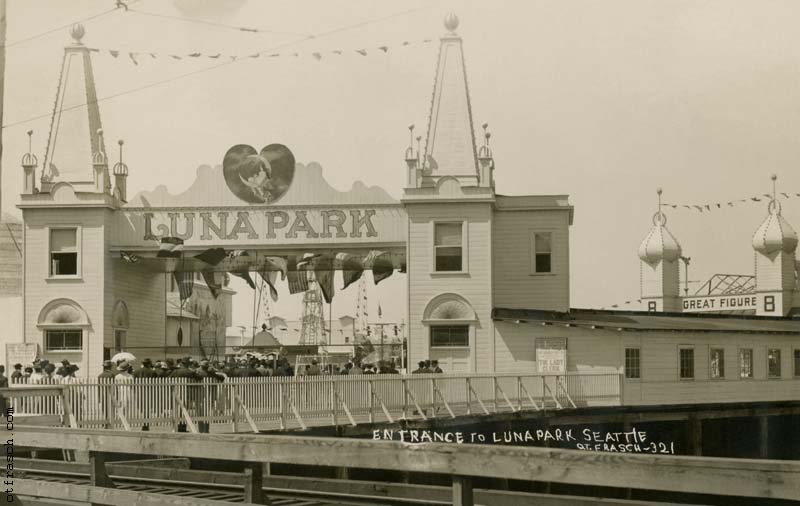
(660, 254)
(75, 284)
(775, 245)
(449, 200)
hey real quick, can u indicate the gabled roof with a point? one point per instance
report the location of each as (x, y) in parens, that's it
(645, 322)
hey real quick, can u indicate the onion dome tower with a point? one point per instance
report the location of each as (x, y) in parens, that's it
(660, 255)
(775, 245)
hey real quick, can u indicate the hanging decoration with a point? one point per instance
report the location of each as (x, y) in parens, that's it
(716, 206)
(140, 57)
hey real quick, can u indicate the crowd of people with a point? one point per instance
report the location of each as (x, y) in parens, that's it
(42, 371)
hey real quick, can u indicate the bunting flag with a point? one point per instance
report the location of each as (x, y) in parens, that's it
(351, 266)
(713, 206)
(210, 279)
(380, 264)
(170, 247)
(323, 271)
(212, 256)
(279, 264)
(270, 277)
(318, 55)
(185, 282)
(298, 281)
(132, 258)
(245, 275)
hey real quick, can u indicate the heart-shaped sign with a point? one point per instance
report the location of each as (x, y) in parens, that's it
(258, 177)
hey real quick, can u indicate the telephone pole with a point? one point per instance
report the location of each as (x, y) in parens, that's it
(2, 91)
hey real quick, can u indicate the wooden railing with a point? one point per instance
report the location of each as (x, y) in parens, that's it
(701, 475)
(283, 402)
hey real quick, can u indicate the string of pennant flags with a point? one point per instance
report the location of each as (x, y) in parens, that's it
(294, 269)
(715, 206)
(138, 57)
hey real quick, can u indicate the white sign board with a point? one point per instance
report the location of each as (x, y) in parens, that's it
(717, 303)
(20, 353)
(551, 355)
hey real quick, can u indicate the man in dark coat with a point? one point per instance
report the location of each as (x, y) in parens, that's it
(435, 367)
(3, 379)
(107, 375)
(146, 371)
(17, 374)
(421, 369)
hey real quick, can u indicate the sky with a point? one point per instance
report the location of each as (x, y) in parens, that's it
(603, 101)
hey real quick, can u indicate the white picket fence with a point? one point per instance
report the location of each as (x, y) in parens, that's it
(286, 402)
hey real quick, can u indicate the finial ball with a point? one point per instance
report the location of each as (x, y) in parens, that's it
(451, 22)
(77, 32)
(659, 191)
(120, 142)
(30, 132)
(774, 177)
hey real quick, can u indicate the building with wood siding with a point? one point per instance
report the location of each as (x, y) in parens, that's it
(488, 275)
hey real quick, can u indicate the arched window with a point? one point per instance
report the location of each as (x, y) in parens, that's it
(120, 321)
(63, 322)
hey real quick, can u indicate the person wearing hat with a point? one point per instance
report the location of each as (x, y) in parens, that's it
(64, 364)
(162, 371)
(108, 374)
(421, 369)
(435, 367)
(49, 371)
(17, 374)
(146, 371)
(36, 377)
(313, 369)
(3, 379)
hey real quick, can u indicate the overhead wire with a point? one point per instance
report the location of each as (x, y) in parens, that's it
(67, 25)
(214, 23)
(219, 65)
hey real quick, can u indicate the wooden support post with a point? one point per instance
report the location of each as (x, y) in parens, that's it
(282, 406)
(462, 491)
(468, 396)
(763, 437)
(97, 470)
(371, 402)
(342, 473)
(405, 398)
(254, 484)
(696, 435)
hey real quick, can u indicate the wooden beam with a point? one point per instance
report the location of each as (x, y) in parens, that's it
(254, 484)
(98, 477)
(737, 477)
(336, 486)
(96, 495)
(462, 491)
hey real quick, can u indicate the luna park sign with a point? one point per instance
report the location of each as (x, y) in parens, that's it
(263, 177)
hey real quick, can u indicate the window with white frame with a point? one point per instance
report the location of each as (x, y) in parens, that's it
(448, 247)
(686, 363)
(633, 363)
(774, 363)
(541, 252)
(449, 336)
(717, 363)
(63, 340)
(63, 252)
(746, 363)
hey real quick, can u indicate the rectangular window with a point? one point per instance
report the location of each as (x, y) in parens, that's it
(717, 363)
(686, 363)
(542, 248)
(451, 335)
(633, 363)
(774, 363)
(63, 252)
(63, 340)
(746, 363)
(797, 363)
(448, 247)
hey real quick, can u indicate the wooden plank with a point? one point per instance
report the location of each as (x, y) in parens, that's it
(336, 486)
(254, 484)
(96, 495)
(739, 477)
(462, 491)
